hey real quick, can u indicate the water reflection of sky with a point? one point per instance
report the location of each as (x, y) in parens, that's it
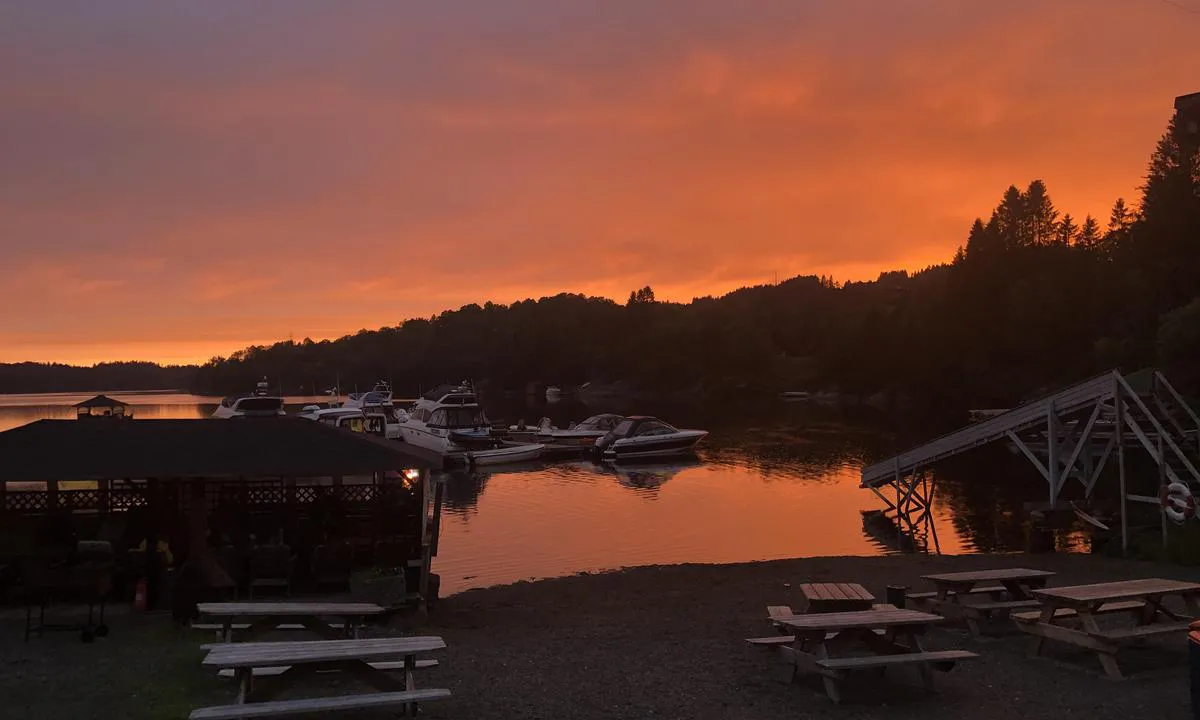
(775, 483)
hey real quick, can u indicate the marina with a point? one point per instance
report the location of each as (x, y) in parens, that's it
(782, 481)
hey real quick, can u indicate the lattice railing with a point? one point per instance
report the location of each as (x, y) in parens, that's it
(248, 495)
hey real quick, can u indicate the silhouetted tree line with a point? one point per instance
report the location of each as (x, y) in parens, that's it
(1034, 299)
(30, 377)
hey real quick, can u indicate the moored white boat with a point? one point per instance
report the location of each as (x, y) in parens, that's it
(381, 394)
(582, 433)
(261, 403)
(641, 437)
(450, 422)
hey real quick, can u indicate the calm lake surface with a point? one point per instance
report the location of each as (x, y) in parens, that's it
(779, 481)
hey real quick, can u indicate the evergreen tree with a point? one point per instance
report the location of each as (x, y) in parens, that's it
(1068, 231)
(641, 296)
(1121, 218)
(981, 240)
(1040, 217)
(1089, 234)
(1009, 221)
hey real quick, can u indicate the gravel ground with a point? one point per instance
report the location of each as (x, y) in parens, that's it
(658, 642)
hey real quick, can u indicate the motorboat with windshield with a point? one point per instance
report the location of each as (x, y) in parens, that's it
(642, 437)
(381, 394)
(586, 432)
(261, 403)
(449, 421)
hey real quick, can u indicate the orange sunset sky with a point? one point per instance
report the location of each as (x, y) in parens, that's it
(181, 179)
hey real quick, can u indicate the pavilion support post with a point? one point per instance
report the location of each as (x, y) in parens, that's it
(102, 496)
(3, 498)
(439, 491)
(154, 515)
(52, 496)
(1119, 403)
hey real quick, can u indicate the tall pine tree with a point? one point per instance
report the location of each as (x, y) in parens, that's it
(1039, 217)
(1068, 231)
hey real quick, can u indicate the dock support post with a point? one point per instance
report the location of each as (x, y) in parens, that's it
(1119, 403)
(1052, 463)
(899, 525)
(1162, 483)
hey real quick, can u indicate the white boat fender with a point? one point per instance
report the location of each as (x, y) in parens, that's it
(1178, 502)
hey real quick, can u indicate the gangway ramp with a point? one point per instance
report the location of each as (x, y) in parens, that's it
(1069, 434)
(1023, 417)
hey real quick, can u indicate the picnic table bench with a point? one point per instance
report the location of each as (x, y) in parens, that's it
(301, 661)
(1068, 614)
(958, 594)
(891, 636)
(267, 616)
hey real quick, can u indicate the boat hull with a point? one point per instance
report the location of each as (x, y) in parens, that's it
(504, 454)
(641, 448)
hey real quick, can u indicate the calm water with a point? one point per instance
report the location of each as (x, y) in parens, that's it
(779, 482)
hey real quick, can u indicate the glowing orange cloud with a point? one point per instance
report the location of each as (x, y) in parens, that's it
(179, 184)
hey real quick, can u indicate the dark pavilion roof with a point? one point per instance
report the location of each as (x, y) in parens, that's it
(101, 401)
(55, 450)
(1191, 100)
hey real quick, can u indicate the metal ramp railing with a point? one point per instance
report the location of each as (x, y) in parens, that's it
(1070, 434)
(1023, 417)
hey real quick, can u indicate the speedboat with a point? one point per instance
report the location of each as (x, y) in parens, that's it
(259, 404)
(583, 433)
(640, 437)
(381, 394)
(449, 421)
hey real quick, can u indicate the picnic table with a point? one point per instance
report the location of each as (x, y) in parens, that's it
(302, 660)
(822, 643)
(1068, 614)
(267, 616)
(1002, 591)
(835, 597)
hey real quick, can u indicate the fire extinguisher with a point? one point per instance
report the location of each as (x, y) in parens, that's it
(139, 595)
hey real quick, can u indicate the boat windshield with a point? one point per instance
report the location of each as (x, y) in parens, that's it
(656, 427)
(622, 428)
(260, 404)
(599, 422)
(465, 417)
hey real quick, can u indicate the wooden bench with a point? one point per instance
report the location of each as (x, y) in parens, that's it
(773, 641)
(246, 626)
(992, 589)
(1141, 631)
(941, 659)
(318, 705)
(276, 670)
(1064, 613)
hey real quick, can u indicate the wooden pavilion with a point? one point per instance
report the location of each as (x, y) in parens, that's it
(102, 406)
(209, 486)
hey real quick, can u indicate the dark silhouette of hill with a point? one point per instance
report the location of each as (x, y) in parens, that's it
(30, 377)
